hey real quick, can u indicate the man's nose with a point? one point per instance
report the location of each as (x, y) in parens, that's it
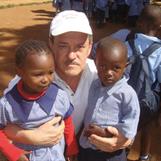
(72, 55)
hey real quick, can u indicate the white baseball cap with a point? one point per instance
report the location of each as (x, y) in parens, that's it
(68, 21)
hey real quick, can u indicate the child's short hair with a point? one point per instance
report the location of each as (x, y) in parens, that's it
(30, 47)
(109, 43)
(151, 16)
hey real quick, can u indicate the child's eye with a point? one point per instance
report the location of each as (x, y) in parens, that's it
(37, 74)
(117, 67)
(51, 72)
(81, 46)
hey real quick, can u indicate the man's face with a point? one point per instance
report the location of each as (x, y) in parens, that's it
(70, 52)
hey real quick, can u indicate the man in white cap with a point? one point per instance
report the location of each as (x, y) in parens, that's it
(70, 39)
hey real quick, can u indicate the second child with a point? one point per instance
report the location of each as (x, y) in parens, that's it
(111, 102)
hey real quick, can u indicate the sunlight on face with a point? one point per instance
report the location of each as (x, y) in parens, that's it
(70, 52)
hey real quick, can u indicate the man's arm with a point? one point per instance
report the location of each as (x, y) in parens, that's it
(118, 141)
(46, 134)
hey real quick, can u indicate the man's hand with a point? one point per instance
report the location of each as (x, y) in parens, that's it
(47, 134)
(51, 132)
(118, 141)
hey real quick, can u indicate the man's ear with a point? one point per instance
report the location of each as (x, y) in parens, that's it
(90, 49)
(51, 41)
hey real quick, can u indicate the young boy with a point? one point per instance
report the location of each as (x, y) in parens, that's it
(149, 24)
(111, 102)
(35, 100)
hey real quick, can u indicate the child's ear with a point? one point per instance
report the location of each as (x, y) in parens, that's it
(127, 63)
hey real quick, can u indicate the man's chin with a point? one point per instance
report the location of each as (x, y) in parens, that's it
(73, 72)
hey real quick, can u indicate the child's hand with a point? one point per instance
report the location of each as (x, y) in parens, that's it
(23, 158)
(72, 158)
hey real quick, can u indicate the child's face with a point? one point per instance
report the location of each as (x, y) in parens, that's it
(36, 73)
(110, 67)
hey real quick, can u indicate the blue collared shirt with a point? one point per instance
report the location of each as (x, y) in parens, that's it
(101, 4)
(116, 105)
(142, 42)
(135, 7)
(32, 114)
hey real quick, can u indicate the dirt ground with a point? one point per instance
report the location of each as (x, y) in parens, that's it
(32, 22)
(11, 3)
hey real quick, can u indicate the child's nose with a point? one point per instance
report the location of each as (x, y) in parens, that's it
(108, 72)
(45, 80)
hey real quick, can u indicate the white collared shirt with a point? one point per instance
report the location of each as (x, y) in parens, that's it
(79, 98)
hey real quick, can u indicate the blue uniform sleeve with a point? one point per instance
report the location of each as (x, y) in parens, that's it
(69, 112)
(130, 114)
(63, 106)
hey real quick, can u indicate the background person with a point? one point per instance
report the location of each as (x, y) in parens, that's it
(149, 24)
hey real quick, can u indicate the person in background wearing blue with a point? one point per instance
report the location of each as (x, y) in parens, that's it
(135, 8)
(101, 6)
(62, 5)
(111, 102)
(149, 24)
(35, 100)
(122, 11)
(120, 35)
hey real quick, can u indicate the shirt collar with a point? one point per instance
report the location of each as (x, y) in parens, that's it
(26, 95)
(60, 82)
(23, 107)
(146, 37)
(111, 89)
